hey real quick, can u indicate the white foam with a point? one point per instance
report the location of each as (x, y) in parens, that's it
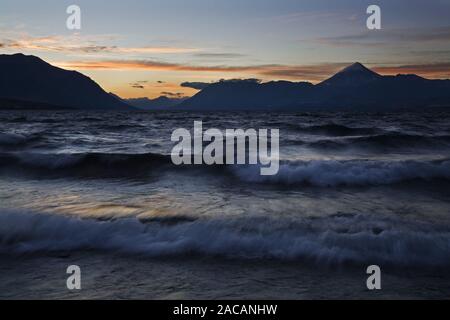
(329, 240)
(331, 173)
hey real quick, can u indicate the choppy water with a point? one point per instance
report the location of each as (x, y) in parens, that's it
(353, 190)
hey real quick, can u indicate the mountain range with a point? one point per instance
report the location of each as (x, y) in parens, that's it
(160, 103)
(29, 82)
(355, 88)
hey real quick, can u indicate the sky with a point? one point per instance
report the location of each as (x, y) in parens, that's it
(148, 48)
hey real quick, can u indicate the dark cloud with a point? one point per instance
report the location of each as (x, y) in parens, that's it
(137, 85)
(195, 85)
(140, 84)
(248, 80)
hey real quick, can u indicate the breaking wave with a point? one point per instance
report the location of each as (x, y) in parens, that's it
(388, 141)
(337, 239)
(83, 164)
(330, 173)
(320, 173)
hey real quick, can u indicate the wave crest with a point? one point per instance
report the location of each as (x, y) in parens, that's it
(83, 164)
(342, 238)
(330, 173)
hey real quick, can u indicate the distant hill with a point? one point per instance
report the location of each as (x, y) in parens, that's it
(355, 88)
(29, 82)
(161, 103)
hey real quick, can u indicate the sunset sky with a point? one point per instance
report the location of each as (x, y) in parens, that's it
(149, 48)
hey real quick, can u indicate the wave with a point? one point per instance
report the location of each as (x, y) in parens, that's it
(332, 129)
(318, 173)
(13, 140)
(398, 140)
(82, 164)
(337, 239)
(331, 173)
(389, 141)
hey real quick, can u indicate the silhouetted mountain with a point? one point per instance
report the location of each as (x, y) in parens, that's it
(355, 88)
(31, 83)
(247, 94)
(161, 103)
(29, 80)
(355, 74)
